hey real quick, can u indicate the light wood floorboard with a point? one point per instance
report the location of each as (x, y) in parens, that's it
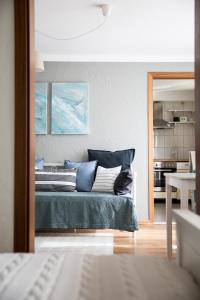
(150, 239)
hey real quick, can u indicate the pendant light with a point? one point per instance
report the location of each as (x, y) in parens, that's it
(106, 11)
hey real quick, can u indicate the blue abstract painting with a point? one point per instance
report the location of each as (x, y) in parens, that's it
(41, 108)
(69, 109)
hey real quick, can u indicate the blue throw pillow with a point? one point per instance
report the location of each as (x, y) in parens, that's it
(39, 164)
(85, 174)
(109, 159)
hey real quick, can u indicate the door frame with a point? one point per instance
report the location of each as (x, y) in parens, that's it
(24, 199)
(152, 76)
(197, 101)
(24, 191)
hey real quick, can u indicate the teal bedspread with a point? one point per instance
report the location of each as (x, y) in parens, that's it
(92, 210)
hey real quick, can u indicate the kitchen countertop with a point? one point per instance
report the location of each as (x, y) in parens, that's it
(176, 160)
(184, 176)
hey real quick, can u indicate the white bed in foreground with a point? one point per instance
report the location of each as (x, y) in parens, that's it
(124, 277)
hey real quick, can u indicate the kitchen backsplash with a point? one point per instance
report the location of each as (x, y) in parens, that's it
(175, 143)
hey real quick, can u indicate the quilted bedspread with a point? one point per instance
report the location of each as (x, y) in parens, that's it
(76, 277)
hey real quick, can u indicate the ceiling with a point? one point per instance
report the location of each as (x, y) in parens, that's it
(136, 30)
(173, 85)
(173, 90)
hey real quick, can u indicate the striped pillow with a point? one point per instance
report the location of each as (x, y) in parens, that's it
(105, 179)
(58, 181)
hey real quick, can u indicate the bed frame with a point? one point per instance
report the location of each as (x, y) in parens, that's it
(188, 242)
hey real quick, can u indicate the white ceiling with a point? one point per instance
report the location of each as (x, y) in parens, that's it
(173, 85)
(137, 30)
(173, 90)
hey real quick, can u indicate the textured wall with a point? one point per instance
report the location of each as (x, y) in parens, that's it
(6, 124)
(177, 142)
(118, 114)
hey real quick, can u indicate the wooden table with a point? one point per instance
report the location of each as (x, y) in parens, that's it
(184, 182)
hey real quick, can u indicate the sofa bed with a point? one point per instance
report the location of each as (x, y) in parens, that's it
(88, 199)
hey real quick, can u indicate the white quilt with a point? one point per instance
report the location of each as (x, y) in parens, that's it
(73, 277)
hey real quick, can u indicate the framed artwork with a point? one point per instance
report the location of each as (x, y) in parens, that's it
(69, 108)
(41, 92)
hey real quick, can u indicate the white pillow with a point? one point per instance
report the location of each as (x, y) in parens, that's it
(105, 179)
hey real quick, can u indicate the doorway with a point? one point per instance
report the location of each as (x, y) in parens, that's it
(24, 132)
(159, 77)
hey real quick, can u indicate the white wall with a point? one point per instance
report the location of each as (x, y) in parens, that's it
(6, 124)
(118, 114)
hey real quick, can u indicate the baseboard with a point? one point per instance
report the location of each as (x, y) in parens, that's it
(145, 222)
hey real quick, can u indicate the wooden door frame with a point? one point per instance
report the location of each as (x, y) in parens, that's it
(152, 76)
(24, 199)
(197, 100)
(24, 210)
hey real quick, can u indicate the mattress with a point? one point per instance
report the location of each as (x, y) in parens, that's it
(93, 210)
(72, 277)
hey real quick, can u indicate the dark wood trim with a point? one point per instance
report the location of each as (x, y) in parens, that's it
(151, 77)
(24, 228)
(197, 100)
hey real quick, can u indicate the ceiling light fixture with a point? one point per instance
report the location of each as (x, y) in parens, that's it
(106, 11)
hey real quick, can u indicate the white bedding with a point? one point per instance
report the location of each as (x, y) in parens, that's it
(72, 277)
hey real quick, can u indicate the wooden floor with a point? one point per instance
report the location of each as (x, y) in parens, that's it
(150, 239)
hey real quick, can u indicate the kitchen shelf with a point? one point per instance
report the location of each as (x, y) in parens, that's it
(180, 110)
(188, 122)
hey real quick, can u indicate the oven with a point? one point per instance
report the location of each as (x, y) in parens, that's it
(160, 168)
